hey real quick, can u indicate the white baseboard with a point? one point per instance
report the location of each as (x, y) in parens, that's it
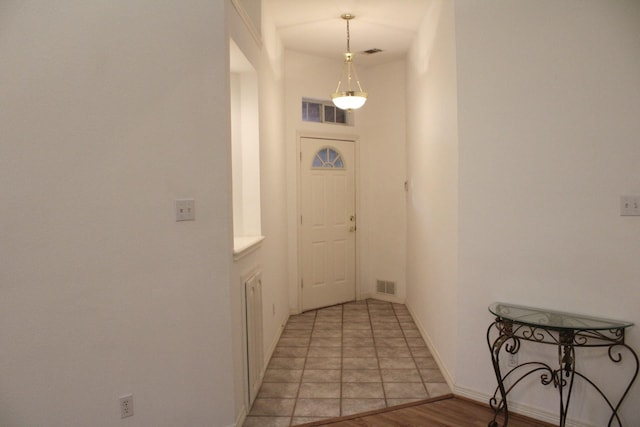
(273, 345)
(240, 418)
(381, 297)
(518, 408)
(363, 296)
(434, 351)
(388, 298)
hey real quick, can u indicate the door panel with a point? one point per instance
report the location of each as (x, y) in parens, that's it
(327, 249)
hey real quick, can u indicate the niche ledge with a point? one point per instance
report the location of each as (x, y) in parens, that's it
(243, 246)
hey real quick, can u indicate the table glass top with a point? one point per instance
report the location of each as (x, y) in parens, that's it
(541, 317)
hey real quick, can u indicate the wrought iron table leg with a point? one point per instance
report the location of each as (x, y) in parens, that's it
(494, 348)
(565, 331)
(564, 379)
(617, 358)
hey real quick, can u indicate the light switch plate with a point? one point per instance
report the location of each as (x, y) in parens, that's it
(185, 210)
(629, 205)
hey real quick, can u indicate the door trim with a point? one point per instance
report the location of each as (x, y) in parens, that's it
(356, 146)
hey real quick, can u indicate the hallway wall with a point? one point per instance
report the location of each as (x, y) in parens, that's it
(110, 112)
(432, 170)
(384, 171)
(271, 256)
(549, 100)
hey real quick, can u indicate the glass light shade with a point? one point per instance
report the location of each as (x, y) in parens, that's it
(349, 100)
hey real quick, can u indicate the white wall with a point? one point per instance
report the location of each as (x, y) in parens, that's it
(273, 184)
(271, 256)
(245, 141)
(382, 220)
(380, 177)
(110, 112)
(432, 201)
(549, 100)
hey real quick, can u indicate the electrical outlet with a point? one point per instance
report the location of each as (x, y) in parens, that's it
(126, 406)
(512, 359)
(185, 210)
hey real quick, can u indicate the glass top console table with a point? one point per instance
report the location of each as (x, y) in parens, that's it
(567, 331)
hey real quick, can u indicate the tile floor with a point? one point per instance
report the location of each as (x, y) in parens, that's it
(343, 360)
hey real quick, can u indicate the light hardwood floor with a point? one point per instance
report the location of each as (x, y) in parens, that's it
(446, 411)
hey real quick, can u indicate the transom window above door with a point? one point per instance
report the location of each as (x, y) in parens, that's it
(327, 157)
(319, 111)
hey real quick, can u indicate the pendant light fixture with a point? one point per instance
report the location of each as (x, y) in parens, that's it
(348, 96)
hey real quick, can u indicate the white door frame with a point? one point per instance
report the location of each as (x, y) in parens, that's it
(339, 137)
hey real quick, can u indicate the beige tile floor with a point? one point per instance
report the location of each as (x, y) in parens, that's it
(343, 360)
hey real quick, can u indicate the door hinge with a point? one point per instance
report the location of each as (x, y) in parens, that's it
(301, 283)
(300, 219)
(301, 157)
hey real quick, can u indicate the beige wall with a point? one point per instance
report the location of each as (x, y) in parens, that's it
(110, 112)
(383, 168)
(271, 256)
(432, 170)
(549, 100)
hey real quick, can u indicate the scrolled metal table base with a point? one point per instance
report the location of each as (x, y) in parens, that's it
(509, 337)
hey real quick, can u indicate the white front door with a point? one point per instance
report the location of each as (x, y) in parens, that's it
(328, 222)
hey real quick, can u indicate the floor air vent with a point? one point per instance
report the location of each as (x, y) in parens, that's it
(386, 287)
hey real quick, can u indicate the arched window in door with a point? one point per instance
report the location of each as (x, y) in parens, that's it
(327, 157)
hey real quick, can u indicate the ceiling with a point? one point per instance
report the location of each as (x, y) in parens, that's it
(315, 26)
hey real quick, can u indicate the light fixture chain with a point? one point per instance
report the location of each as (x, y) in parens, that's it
(348, 99)
(348, 38)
